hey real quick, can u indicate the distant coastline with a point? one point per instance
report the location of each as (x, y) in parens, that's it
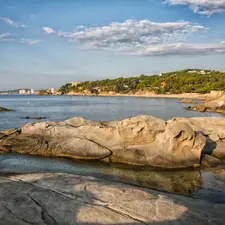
(147, 95)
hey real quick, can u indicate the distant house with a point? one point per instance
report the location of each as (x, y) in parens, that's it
(22, 92)
(163, 84)
(199, 72)
(192, 71)
(52, 90)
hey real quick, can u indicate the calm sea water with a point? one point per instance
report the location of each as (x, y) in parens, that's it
(204, 184)
(59, 108)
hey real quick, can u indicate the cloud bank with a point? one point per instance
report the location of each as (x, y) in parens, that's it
(204, 7)
(142, 38)
(183, 49)
(12, 23)
(139, 37)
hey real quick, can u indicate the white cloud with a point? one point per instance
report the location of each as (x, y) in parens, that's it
(204, 7)
(30, 41)
(140, 38)
(12, 23)
(6, 37)
(48, 30)
(182, 49)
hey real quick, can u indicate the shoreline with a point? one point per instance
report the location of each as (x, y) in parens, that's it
(173, 96)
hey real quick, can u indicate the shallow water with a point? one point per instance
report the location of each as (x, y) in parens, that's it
(197, 183)
(59, 108)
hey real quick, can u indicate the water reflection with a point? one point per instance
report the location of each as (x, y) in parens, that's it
(180, 182)
(207, 184)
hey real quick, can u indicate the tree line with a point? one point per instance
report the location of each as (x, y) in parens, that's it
(183, 81)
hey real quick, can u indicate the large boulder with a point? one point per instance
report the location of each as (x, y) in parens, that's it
(142, 140)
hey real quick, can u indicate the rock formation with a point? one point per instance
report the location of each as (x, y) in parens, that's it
(77, 200)
(142, 140)
(2, 109)
(217, 105)
(213, 128)
(188, 101)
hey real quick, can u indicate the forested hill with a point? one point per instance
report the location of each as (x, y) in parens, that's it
(184, 81)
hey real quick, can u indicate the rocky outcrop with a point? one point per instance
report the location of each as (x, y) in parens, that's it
(188, 101)
(34, 118)
(2, 109)
(217, 105)
(73, 199)
(142, 140)
(213, 128)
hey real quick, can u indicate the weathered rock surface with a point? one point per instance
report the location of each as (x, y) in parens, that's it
(213, 128)
(142, 140)
(72, 199)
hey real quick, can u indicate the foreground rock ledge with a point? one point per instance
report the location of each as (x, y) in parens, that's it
(142, 140)
(73, 199)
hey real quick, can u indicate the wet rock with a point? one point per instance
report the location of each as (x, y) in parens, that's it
(73, 199)
(142, 140)
(34, 118)
(210, 161)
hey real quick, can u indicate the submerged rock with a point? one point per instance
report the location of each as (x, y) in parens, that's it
(34, 118)
(142, 140)
(2, 109)
(73, 199)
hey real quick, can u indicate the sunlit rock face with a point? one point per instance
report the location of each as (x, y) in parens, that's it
(78, 200)
(213, 129)
(142, 140)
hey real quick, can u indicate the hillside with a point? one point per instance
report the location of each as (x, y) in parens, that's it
(184, 81)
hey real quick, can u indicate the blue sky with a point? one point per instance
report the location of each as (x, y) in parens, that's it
(46, 43)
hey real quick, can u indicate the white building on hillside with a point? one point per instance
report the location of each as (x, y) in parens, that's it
(52, 90)
(22, 92)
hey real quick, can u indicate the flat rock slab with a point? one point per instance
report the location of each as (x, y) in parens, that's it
(73, 199)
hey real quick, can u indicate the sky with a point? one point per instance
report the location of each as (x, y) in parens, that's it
(47, 43)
